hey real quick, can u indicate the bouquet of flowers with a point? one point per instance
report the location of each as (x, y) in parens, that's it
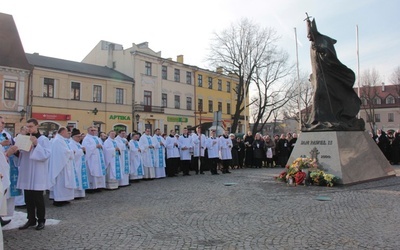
(295, 172)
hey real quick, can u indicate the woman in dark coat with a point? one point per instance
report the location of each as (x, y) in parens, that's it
(234, 150)
(283, 150)
(248, 142)
(395, 149)
(241, 149)
(258, 149)
(269, 151)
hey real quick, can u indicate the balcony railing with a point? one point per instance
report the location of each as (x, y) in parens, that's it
(147, 108)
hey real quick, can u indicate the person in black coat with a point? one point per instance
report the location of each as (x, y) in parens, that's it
(248, 142)
(395, 149)
(383, 142)
(235, 153)
(241, 149)
(259, 151)
(283, 150)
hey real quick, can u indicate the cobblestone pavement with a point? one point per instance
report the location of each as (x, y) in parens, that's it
(202, 212)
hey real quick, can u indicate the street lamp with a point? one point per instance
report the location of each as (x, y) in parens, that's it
(22, 113)
(137, 121)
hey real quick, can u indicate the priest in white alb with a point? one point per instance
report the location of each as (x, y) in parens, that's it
(80, 163)
(123, 145)
(95, 159)
(159, 144)
(112, 156)
(137, 171)
(62, 178)
(147, 147)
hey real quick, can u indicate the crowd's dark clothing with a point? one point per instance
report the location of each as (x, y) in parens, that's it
(276, 153)
(225, 166)
(172, 166)
(34, 201)
(292, 143)
(235, 153)
(248, 142)
(395, 150)
(269, 145)
(383, 144)
(259, 152)
(185, 166)
(283, 152)
(213, 163)
(241, 150)
(195, 164)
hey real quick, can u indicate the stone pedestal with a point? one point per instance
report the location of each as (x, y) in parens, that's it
(350, 155)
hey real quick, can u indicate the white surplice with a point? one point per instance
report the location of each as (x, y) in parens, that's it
(113, 163)
(81, 169)
(148, 156)
(94, 159)
(159, 143)
(62, 178)
(123, 145)
(137, 170)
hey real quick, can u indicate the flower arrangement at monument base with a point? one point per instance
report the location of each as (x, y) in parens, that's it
(295, 174)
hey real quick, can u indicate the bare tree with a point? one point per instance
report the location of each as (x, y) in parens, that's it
(302, 100)
(241, 50)
(395, 80)
(272, 93)
(370, 79)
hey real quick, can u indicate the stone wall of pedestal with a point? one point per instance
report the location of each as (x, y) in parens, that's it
(350, 155)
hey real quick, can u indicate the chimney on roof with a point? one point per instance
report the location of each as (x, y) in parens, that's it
(383, 87)
(220, 70)
(144, 45)
(179, 58)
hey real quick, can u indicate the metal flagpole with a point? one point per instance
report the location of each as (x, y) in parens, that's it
(298, 80)
(358, 68)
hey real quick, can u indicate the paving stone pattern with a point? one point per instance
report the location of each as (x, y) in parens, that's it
(200, 212)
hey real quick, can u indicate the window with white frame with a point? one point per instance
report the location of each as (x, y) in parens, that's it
(164, 99)
(189, 103)
(164, 72)
(177, 102)
(390, 117)
(210, 83)
(200, 104)
(376, 101)
(188, 77)
(97, 93)
(200, 80)
(10, 90)
(48, 87)
(148, 68)
(177, 75)
(219, 85)
(390, 100)
(119, 96)
(377, 118)
(75, 91)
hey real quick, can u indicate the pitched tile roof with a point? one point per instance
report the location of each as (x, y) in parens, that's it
(76, 67)
(12, 53)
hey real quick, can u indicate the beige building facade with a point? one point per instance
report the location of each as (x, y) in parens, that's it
(74, 94)
(164, 89)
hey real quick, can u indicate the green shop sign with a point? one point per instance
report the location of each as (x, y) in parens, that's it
(120, 117)
(177, 119)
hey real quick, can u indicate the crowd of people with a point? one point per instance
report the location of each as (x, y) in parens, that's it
(71, 163)
(389, 143)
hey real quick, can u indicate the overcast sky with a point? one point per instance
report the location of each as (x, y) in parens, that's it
(70, 29)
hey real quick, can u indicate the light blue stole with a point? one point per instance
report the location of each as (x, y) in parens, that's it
(103, 165)
(117, 162)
